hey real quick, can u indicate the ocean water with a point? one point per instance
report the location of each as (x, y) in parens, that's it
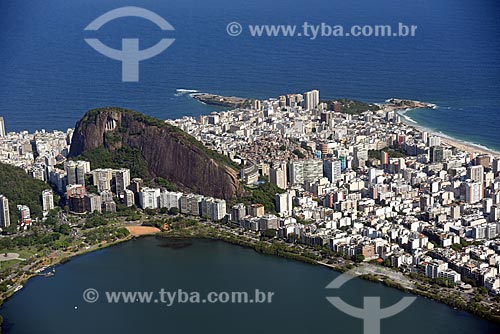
(55, 304)
(50, 76)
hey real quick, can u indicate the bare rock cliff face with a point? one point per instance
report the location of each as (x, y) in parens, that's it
(169, 152)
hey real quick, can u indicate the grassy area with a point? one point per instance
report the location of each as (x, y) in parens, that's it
(7, 264)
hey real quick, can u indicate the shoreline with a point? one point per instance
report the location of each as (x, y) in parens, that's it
(136, 231)
(60, 260)
(214, 234)
(380, 278)
(400, 106)
(448, 140)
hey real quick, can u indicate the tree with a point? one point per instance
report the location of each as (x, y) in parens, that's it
(63, 229)
(299, 154)
(173, 211)
(269, 233)
(21, 189)
(149, 211)
(264, 194)
(358, 258)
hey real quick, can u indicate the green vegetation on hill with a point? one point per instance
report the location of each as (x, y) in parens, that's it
(21, 188)
(264, 194)
(352, 107)
(161, 182)
(125, 157)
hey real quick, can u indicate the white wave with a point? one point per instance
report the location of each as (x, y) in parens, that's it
(182, 91)
(402, 113)
(409, 119)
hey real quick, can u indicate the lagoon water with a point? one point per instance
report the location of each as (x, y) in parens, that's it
(47, 304)
(50, 76)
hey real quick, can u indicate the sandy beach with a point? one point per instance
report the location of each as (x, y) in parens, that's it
(446, 140)
(142, 230)
(466, 146)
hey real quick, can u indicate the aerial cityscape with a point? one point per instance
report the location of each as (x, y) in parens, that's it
(351, 186)
(325, 166)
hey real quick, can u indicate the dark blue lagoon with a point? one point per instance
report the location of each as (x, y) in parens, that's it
(55, 304)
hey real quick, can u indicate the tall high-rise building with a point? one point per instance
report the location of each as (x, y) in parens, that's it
(278, 175)
(425, 136)
(296, 172)
(93, 203)
(238, 211)
(122, 179)
(218, 209)
(384, 158)
(476, 173)
(76, 171)
(332, 169)
(311, 100)
(169, 199)
(2, 127)
(47, 200)
(433, 141)
(495, 165)
(256, 210)
(284, 203)
(191, 204)
(436, 154)
(305, 170)
(206, 207)
(102, 178)
(136, 185)
(149, 198)
(326, 117)
(360, 156)
(483, 160)
(312, 170)
(474, 192)
(128, 197)
(4, 212)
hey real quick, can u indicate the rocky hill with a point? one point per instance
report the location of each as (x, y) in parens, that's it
(165, 150)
